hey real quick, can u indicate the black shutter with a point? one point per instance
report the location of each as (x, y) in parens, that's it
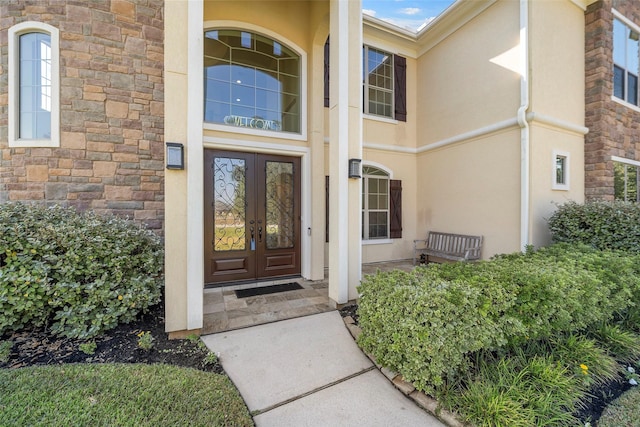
(326, 73)
(400, 87)
(326, 206)
(395, 209)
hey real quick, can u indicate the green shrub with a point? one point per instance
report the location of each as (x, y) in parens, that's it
(426, 323)
(79, 274)
(601, 224)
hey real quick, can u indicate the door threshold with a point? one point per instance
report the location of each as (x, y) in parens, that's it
(253, 283)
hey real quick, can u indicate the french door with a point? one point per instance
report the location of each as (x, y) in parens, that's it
(251, 216)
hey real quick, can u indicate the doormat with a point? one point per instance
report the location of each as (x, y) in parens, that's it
(265, 290)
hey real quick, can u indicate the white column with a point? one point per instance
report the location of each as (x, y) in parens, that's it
(345, 246)
(194, 166)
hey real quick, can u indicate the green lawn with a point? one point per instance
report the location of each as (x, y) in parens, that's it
(623, 411)
(118, 394)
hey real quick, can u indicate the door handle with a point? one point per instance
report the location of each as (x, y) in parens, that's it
(260, 234)
(253, 240)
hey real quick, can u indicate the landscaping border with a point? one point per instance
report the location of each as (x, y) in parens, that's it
(424, 401)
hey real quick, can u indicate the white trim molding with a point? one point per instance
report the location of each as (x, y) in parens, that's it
(557, 123)
(14, 84)
(625, 161)
(635, 27)
(476, 133)
(625, 103)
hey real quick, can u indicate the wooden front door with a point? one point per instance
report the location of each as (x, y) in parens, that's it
(251, 216)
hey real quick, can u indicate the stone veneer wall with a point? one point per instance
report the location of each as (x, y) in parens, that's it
(111, 151)
(614, 129)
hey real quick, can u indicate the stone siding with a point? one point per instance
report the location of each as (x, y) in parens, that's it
(614, 129)
(111, 150)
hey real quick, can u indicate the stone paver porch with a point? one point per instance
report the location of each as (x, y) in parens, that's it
(224, 311)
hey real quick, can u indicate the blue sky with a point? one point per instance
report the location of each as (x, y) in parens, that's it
(410, 14)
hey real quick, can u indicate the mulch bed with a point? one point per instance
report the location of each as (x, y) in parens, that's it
(594, 405)
(119, 345)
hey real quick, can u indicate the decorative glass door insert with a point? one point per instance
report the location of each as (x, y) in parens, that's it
(252, 216)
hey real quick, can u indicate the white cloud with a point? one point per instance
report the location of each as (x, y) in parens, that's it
(410, 11)
(369, 12)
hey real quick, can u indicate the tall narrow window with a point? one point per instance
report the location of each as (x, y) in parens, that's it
(378, 82)
(626, 61)
(33, 85)
(375, 203)
(560, 180)
(251, 81)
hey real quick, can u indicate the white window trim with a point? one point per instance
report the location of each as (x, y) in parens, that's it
(625, 103)
(567, 171)
(375, 118)
(377, 242)
(14, 84)
(626, 21)
(625, 161)
(237, 25)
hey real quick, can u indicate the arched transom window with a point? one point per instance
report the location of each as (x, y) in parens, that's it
(251, 81)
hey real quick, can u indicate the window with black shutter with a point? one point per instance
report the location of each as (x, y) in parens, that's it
(384, 80)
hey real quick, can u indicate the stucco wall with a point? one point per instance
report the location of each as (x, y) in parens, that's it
(463, 83)
(556, 40)
(467, 83)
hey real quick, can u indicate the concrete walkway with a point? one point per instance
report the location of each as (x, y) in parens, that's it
(308, 371)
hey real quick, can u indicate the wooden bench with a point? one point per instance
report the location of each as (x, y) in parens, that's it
(454, 247)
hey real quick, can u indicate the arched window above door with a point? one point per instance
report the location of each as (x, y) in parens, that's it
(251, 81)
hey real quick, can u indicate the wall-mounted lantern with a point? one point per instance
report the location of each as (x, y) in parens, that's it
(175, 155)
(354, 168)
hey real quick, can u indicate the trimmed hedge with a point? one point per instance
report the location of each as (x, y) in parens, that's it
(424, 324)
(78, 274)
(601, 224)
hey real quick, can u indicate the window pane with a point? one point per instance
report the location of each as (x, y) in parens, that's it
(618, 180)
(229, 201)
(267, 80)
(619, 42)
(632, 52)
(618, 82)
(560, 170)
(632, 183)
(243, 95)
(216, 90)
(280, 208)
(632, 89)
(264, 78)
(377, 225)
(35, 86)
(217, 112)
